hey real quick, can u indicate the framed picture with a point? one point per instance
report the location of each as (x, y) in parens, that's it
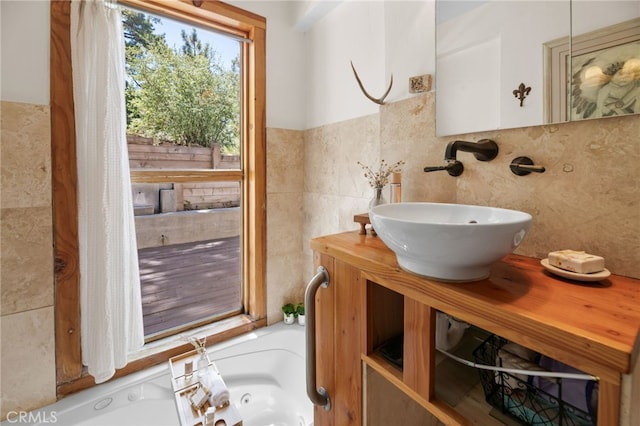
(598, 75)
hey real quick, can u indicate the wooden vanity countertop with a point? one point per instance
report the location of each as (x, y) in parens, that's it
(592, 326)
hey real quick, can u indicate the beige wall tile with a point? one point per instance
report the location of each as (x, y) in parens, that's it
(320, 159)
(586, 200)
(26, 259)
(332, 152)
(334, 185)
(26, 155)
(28, 360)
(284, 284)
(284, 220)
(405, 128)
(284, 160)
(358, 140)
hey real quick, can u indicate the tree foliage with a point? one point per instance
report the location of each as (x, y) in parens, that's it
(138, 29)
(182, 95)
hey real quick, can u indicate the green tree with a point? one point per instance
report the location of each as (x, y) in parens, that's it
(138, 29)
(139, 36)
(192, 45)
(185, 96)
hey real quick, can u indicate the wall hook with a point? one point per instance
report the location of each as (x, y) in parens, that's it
(521, 92)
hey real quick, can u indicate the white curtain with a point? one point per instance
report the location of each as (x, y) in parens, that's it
(110, 302)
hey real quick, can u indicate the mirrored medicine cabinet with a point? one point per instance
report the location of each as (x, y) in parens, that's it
(505, 64)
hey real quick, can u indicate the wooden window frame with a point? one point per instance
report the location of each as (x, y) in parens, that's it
(70, 374)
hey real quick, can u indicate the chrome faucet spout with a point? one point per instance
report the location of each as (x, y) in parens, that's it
(483, 150)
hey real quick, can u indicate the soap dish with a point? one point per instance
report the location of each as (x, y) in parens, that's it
(596, 276)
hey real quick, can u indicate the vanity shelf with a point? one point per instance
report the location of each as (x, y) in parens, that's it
(593, 327)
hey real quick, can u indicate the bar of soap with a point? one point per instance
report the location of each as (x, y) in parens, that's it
(576, 261)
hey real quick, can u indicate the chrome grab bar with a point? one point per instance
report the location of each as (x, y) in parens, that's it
(319, 396)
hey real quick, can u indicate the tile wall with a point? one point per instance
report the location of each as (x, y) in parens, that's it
(588, 198)
(26, 259)
(334, 185)
(284, 220)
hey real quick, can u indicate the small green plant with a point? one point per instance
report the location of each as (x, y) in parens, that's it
(289, 309)
(300, 309)
(290, 314)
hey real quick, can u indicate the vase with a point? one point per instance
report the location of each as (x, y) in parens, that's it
(203, 364)
(289, 318)
(377, 199)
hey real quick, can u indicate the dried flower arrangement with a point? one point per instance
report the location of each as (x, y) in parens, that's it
(380, 178)
(199, 344)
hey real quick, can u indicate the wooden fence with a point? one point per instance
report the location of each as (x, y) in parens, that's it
(143, 154)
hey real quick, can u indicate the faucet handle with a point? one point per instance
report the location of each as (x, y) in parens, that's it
(522, 166)
(434, 168)
(454, 168)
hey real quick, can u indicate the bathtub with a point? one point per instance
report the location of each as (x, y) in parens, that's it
(264, 371)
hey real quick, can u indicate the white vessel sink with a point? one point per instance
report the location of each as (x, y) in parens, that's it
(449, 242)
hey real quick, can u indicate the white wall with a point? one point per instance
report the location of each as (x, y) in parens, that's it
(381, 38)
(409, 43)
(309, 79)
(25, 51)
(25, 58)
(286, 83)
(353, 31)
(310, 45)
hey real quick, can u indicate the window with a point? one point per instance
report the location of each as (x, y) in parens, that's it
(183, 114)
(249, 177)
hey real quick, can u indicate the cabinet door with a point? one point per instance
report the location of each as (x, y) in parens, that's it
(349, 314)
(339, 316)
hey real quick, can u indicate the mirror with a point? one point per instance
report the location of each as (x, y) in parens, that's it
(505, 64)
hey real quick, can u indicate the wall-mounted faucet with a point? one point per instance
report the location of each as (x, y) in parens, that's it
(483, 150)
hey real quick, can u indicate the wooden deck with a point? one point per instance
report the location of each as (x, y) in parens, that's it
(186, 283)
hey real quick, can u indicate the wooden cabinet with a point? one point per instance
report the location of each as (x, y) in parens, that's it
(593, 327)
